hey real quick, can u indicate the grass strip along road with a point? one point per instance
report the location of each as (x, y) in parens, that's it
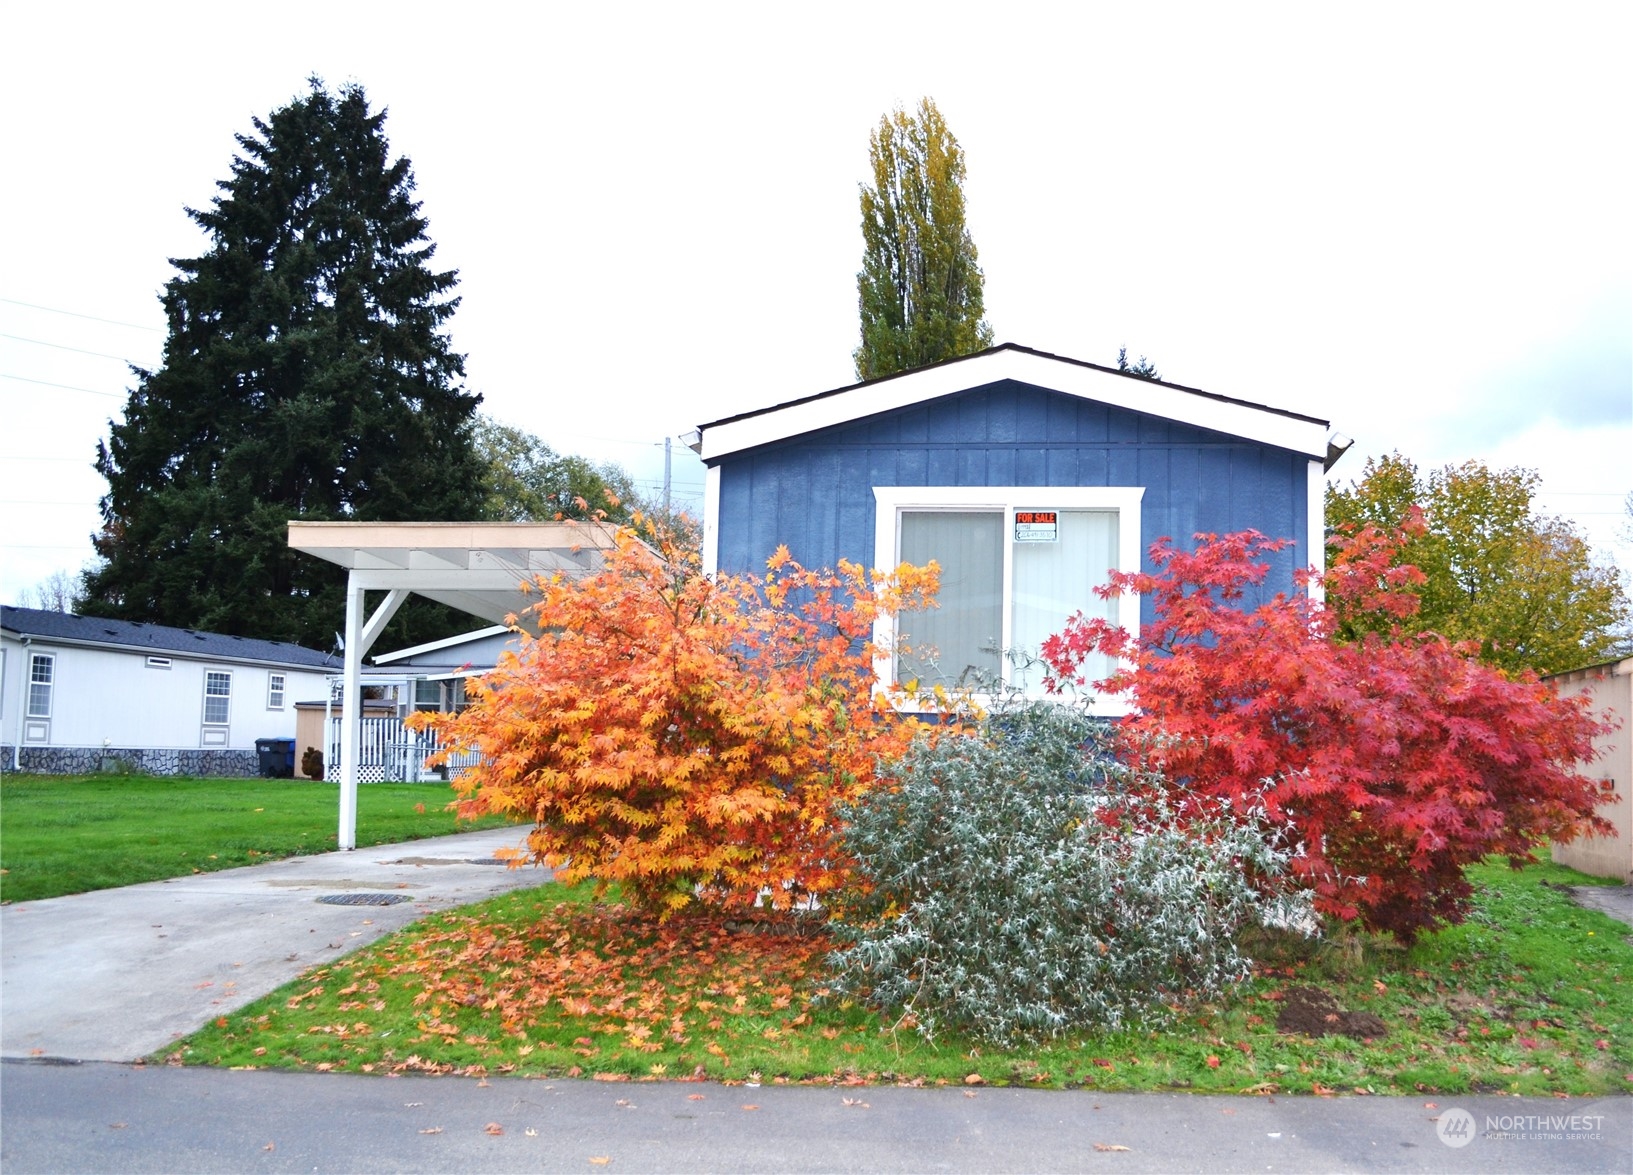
(1532, 995)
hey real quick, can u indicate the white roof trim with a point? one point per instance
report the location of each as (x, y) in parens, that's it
(1187, 406)
(444, 643)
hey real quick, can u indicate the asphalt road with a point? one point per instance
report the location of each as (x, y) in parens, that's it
(105, 1117)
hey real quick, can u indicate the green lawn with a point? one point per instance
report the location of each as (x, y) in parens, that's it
(70, 834)
(1532, 995)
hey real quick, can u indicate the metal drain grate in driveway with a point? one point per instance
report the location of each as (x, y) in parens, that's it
(363, 899)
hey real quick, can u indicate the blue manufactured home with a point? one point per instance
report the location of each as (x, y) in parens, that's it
(1025, 475)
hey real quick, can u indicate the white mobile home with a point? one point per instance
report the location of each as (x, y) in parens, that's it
(81, 694)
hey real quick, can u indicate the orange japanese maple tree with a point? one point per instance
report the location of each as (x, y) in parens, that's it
(687, 736)
(1398, 759)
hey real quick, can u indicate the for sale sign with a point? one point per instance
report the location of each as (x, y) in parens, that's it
(1037, 526)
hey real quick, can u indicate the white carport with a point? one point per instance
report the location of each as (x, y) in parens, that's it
(478, 567)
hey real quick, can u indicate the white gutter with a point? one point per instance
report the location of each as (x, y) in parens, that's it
(17, 732)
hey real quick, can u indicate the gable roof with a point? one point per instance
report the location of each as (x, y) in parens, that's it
(1011, 361)
(125, 635)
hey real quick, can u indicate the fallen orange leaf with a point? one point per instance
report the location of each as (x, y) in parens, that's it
(494, 1128)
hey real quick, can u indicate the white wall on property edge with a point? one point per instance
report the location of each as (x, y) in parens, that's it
(1611, 689)
(105, 697)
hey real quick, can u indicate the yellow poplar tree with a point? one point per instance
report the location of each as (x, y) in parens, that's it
(919, 291)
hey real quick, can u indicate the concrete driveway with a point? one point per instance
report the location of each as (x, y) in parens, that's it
(118, 974)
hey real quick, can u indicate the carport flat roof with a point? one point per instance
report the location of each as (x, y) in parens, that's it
(478, 567)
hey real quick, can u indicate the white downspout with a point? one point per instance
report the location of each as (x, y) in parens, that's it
(1315, 521)
(22, 683)
(711, 520)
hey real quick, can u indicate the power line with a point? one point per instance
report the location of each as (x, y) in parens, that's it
(65, 347)
(66, 387)
(77, 314)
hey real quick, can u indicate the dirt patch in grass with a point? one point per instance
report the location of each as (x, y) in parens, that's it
(1313, 1012)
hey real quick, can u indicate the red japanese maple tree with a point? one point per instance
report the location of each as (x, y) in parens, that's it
(1398, 759)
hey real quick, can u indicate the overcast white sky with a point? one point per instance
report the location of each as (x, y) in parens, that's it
(1411, 220)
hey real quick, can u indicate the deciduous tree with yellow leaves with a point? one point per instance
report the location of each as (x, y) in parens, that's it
(1524, 585)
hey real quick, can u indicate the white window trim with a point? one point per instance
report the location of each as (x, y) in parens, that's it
(277, 689)
(891, 501)
(50, 686)
(207, 695)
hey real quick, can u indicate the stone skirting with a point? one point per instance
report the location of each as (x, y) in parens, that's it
(210, 764)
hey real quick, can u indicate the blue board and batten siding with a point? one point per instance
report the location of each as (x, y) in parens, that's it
(814, 492)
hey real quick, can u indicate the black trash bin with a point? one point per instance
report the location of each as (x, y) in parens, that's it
(277, 757)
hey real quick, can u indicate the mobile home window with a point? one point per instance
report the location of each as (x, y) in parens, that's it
(217, 697)
(427, 695)
(42, 672)
(1016, 561)
(275, 691)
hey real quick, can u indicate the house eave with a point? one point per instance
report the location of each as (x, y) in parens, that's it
(41, 640)
(1293, 431)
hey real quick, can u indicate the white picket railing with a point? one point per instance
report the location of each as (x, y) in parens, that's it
(388, 752)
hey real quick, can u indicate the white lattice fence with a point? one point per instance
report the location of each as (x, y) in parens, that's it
(387, 751)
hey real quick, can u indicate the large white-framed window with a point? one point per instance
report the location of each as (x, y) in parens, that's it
(275, 691)
(42, 681)
(1016, 561)
(217, 697)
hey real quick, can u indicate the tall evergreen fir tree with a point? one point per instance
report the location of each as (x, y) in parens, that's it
(307, 375)
(919, 291)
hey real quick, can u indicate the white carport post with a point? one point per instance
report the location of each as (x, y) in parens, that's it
(360, 638)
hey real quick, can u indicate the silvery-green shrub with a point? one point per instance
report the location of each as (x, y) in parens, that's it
(1024, 885)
